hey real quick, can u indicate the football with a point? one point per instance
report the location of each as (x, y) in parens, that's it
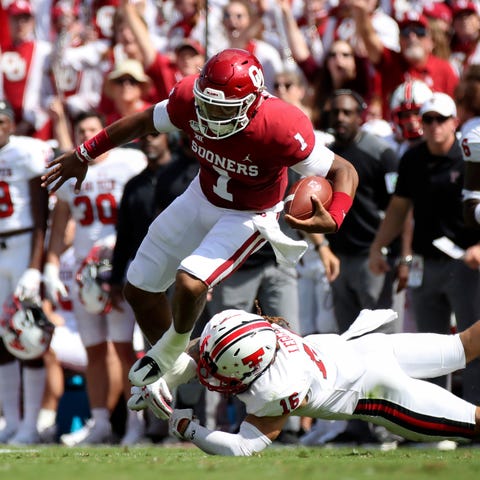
(298, 203)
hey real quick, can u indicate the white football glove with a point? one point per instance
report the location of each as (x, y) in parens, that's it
(136, 401)
(176, 421)
(158, 398)
(53, 285)
(28, 287)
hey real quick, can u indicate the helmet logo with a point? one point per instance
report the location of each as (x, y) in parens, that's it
(256, 76)
(254, 359)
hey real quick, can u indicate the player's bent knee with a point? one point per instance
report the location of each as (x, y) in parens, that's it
(190, 285)
(139, 299)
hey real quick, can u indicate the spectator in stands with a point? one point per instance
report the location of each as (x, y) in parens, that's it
(341, 25)
(242, 30)
(127, 86)
(164, 69)
(466, 34)
(439, 17)
(24, 80)
(415, 59)
(341, 67)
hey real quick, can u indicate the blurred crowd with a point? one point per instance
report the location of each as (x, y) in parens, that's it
(67, 68)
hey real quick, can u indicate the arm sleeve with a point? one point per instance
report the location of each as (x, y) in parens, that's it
(161, 119)
(317, 163)
(246, 442)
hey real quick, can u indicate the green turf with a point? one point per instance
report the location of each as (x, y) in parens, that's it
(184, 463)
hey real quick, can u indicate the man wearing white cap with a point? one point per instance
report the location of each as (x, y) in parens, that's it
(430, 180)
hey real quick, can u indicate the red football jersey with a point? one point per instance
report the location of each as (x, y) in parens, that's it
(248, 170)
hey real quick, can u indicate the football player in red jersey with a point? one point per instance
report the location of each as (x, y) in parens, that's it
(244, 139)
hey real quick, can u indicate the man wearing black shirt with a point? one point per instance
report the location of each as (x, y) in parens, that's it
(356, 287)
(430, 181)
(137, 210)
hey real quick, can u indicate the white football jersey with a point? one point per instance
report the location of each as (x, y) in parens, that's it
(95, 207)
(321, 368)
(470, 140)
(21, 160)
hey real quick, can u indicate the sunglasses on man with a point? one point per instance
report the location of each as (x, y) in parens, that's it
(429, 119)
(418, 30)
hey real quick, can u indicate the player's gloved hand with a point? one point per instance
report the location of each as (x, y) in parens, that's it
(136, 401)
(28, 287)
(53, 285)
(179, 421)
(158, 398)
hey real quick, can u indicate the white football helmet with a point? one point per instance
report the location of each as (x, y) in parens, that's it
(405, 105)
(92, 279)
(227, 91)
(25, 329)
(236, 347)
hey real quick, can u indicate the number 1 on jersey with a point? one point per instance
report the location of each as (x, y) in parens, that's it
(221, 187)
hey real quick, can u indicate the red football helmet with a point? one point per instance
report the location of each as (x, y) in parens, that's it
(405, 105)
(236, 347)
(227, 91)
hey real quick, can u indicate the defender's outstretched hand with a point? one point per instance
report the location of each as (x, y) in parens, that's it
(320, 222)
(62, 168)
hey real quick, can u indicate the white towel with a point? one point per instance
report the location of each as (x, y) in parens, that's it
(369, 321)
(287, 251)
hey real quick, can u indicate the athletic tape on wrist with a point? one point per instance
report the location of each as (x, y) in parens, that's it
(341, 204)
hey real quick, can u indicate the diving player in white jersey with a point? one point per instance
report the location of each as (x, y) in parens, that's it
(23, 214)
(94, 210)
(361, 374)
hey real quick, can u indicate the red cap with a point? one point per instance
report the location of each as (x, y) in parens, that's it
(190, 43)
(461, 6)
(412, 17)
(20, 7)
(438, 10)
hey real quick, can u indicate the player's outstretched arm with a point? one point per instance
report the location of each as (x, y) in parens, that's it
(256, 433)
(74, 164)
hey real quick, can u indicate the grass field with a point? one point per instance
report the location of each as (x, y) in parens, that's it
(185, 463)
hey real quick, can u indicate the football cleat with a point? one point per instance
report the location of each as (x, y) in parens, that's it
(144, 371)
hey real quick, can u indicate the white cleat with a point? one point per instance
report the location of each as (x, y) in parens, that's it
(91, 433)
(144, 371)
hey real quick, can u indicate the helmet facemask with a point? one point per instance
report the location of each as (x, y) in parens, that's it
(227, 92)
(220, 117)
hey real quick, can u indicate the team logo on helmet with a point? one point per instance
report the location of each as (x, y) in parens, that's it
(236, 347)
